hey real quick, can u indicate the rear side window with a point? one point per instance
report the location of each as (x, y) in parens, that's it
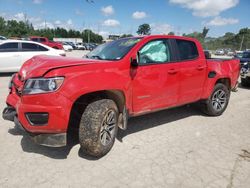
(29, 47)
(35, 39)
(42, 40)
(41, 48)
(187, 49)
(9, 47)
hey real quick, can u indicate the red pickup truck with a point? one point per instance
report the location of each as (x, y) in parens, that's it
(124, 78)
(46, 41)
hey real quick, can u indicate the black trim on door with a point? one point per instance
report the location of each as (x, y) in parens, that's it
(177, 52)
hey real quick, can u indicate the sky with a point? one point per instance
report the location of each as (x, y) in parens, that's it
(124, 16)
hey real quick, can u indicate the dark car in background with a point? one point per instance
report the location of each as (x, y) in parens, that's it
(90, 46)
(245, 68)
(245, 58)
(245, 74)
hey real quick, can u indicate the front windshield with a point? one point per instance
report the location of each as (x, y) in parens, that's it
(114, 50)
(246, 55)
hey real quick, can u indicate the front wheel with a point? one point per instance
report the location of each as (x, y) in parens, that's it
(98, 127)
(217, 103)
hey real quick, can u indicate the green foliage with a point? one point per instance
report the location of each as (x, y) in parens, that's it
(229, 40)
(199, 36)
(144, 29)
(13, 28)
(171, 33)
(126, 35)
(232, 41)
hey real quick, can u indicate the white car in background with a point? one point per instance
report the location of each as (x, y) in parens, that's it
(79, 46)
(219, 52)
(13, 53)
(67, 47)
(3, 38)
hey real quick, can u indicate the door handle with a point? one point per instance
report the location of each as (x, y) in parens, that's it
(16, 55)
(200, 67)
(172, 71)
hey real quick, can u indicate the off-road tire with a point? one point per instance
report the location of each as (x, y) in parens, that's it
(91, 127)
(207, 106)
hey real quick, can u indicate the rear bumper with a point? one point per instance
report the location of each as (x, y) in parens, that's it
(52, 140)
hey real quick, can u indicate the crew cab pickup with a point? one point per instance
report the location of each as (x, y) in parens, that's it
(46, 41)
(128, 77)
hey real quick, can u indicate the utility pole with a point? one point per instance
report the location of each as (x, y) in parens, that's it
(88, 36)
(241, 42)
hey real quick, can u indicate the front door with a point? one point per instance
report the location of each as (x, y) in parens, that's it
(155, 81)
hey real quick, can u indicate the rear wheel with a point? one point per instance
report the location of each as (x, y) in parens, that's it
(98, 127)
(217, 103)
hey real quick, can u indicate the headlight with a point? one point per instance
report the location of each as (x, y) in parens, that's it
(42, 85)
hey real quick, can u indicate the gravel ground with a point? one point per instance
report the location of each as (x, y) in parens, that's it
(173, 148)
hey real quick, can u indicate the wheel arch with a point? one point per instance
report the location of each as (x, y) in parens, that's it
(226, 81)
(82, 101)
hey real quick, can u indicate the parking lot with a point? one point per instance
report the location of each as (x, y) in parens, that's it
(179, 147)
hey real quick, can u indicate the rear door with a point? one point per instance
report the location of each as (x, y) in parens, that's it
(10, 57)
(155, 83)
(192, 71)
(30, 49)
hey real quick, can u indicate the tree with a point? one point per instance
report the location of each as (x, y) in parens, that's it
(90, 36)
(171, 33)
(204, 32)
(126, 35)
(199, 36)
(144, 29)
(2, 26)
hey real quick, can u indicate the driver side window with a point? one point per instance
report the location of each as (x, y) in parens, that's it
(156, 51)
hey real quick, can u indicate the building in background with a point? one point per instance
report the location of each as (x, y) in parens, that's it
(74, 40)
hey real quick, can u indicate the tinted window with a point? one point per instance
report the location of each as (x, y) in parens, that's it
(246, 55)
(9, 47)
(156, 51)
(41, 48)
(29, 47)
(35, 39)
(42, 40)
(187, 49)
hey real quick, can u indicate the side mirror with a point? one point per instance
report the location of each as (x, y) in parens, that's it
(134, 62)
(207, 55)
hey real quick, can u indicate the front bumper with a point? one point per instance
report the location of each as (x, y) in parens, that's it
(52, 140)
(44, 117)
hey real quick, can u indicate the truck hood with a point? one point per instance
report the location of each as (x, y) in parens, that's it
(40, 65)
